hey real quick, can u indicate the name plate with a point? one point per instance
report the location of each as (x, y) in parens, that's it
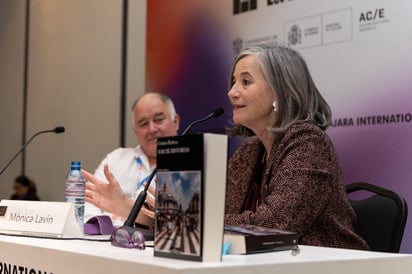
(39, 218)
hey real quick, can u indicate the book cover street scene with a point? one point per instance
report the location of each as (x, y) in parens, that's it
(178, 212)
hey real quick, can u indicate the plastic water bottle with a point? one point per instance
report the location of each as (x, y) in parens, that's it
(75, 188)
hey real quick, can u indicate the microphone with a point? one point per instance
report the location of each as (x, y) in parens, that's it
(142, 195)
(55, 130)
(216, 113)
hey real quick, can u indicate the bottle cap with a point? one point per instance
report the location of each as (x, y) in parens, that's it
(76, 165)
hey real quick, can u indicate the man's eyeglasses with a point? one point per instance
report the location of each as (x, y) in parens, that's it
(129, 237)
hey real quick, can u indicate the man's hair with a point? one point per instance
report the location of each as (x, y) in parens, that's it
(165, 99)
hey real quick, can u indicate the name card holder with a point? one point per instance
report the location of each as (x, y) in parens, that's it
(39, 218)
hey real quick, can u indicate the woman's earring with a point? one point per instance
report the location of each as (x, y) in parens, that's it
(275, 106)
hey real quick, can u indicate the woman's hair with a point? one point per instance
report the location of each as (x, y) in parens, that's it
(25, 181)
(298, 99)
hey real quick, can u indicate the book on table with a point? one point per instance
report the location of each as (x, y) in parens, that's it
(248, 239)
(190, 197)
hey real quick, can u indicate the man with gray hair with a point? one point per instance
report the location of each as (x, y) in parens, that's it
(122, 174)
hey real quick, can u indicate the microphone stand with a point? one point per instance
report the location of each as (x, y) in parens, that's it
(137, 206)
(55, 130)
(217, 112)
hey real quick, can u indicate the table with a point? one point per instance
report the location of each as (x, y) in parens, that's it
(39, 255)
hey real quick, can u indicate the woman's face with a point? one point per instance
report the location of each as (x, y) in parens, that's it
(251, 96)
(20, 189)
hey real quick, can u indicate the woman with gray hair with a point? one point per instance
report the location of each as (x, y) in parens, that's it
(287, 175)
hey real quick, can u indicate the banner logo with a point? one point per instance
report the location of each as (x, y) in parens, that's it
(294, 35)
(275, 2)
(240, 6)
(372, 19)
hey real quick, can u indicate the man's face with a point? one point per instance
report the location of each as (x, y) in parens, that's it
(152, 120)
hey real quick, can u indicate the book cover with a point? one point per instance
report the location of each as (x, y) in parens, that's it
(190, 197)
(248, 239)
